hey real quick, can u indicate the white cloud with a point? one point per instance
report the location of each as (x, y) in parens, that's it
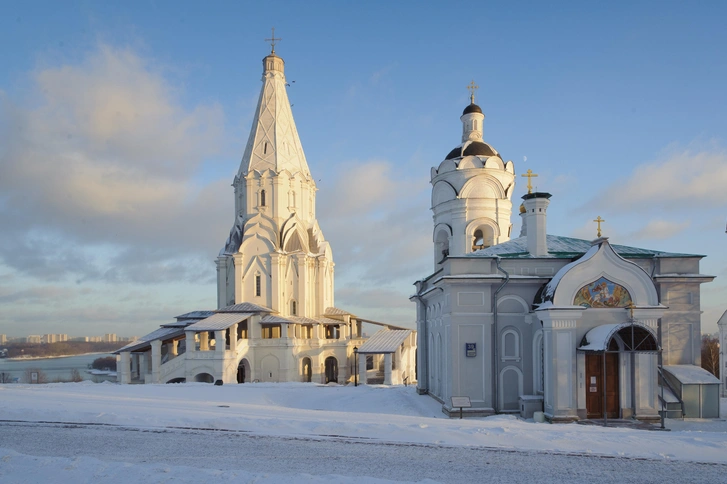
(683, 180)
(104, 154)
(660, 229)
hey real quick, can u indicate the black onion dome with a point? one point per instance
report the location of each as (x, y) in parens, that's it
(472, 108)
(475, 148)
(479, 148)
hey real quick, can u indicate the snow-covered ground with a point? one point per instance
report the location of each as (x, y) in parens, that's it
(298, 410)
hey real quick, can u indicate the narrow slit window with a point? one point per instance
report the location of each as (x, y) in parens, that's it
(258, 285)
(262, 198)
(265, 148)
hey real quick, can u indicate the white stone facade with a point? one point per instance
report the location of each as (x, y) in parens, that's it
(500, 321)
(275, 319)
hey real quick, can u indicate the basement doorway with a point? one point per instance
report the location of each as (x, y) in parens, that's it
(331, 370)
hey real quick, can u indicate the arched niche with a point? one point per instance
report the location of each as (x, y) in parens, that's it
(442, 192)
(482, 186)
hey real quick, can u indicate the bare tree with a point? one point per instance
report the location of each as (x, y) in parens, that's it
(76, 376)
(710, 354)
(5, 377)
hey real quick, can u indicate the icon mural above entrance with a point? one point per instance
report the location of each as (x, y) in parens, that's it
(602, 293)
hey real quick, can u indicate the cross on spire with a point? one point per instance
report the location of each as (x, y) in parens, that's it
(598, 220)
(273, 41)
(472, 87)
(529, 174)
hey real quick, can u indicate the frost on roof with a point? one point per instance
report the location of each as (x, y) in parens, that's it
(385, 341)
(195, 315)
(161, 333)
(245, 307)
(565, 248)
(691, 374)
(235, 239)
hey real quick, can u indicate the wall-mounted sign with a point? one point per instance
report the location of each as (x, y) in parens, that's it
(470, 349)
(594, 389)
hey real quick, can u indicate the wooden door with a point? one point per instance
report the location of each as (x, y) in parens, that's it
(594, 385)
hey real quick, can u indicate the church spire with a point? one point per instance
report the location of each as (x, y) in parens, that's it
(274, 143)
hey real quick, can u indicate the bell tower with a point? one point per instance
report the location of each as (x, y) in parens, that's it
(471, 192)
(276, 255)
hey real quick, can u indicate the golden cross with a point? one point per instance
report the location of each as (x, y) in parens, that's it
(472, 87)
(273, 41)
(530, 175)
(598, 220)
(631, 306)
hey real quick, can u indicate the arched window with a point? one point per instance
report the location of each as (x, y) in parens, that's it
(538, 364)
(262, 198)
(483, 237)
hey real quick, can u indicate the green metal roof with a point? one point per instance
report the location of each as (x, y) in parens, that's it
(566, 248)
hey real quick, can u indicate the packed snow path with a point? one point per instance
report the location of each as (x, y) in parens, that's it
(292, 458)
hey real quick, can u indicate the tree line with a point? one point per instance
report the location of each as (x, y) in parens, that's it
(65, 348)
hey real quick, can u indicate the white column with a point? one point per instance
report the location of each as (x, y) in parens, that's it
(156, 359)
(174, 348)
(134, 365)
(123, 365)
(220, 343)
(387, 369)
(237, 260)
(399, 369)
(362, 369)
(142, 367)
(190, 344)
(204, 342)
(233, 338)
(221, 282)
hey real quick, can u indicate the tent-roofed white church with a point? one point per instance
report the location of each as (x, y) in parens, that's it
(276, 320)
(565, 326)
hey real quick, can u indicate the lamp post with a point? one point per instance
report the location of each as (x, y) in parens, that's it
(355, 366)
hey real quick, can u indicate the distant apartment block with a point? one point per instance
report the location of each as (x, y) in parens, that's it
(3, 339)
(34, 338)
(54, 338)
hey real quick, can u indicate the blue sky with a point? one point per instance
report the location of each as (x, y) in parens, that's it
(122, 125)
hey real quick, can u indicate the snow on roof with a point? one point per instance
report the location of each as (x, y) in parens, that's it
(691, 374)
(597, 338)
(182, 323)
(269, 319)
(144, 341)
(565, 248)
(195, 315)
(245, 307)
(385, 341)
(302, 320)
(331, 311)
(218, 321)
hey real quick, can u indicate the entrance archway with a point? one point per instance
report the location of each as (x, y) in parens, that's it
(307, 369)
(331, 370)
(243, 371)
(604, 346)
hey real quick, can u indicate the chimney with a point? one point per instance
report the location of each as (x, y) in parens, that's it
(536, 205)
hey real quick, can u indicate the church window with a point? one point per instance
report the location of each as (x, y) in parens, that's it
(293, 308)
(262, 198)
(258, 285)
(271, 331)
(510, 345)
